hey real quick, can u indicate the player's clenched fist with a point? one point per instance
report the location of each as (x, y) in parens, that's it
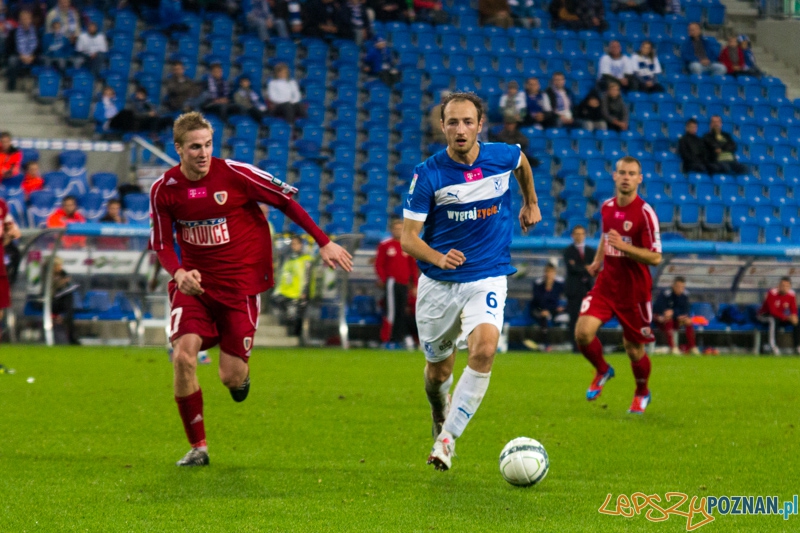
(529, 216)
(451, 260)
(614, 240)
(189, 282)
(333, 254)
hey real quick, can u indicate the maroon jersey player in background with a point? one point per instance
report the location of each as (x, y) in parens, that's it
(226, 263)
(630, 245)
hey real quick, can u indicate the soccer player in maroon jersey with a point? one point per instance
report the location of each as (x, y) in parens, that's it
(8, 232)
(226, 263)
(630, 245)
(397, 275)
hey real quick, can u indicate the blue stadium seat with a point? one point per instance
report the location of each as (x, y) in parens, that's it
(222, 27)
(749, 234)
(137, 208)
(125, 22)
(48, 85)
(688, 215)
(79, 108)
(713, 216)
(57, 182)
(106, 184)
(41, 205)
(92, 205)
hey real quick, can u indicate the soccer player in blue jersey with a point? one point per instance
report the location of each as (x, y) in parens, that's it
(458, 225)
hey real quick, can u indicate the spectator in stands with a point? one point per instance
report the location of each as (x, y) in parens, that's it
(22, 49)
(749, 58)
(380, 62)
(216, 98)
(779, 310)
(107, 109)
(6, 25)
(93, 47)
(614, 66)
(563, 14)
(590, 114)
(671, 312)
(431, 11)
(68, 16)
(733, 57)
(113, 213)
(283, 95)
(645, 68)
(359, 22)
(326, 19)
(182, 91)
(68, 214)
(639, 6)
(577, 256)
(145, 114)
(56, 48)
(534, 105)
(512, 102)
(692, 150)
(495, 13)
(291, 292)
(510, 134)
(548, 292)
(524, 13)
(10, 157)
(721, 150)
(33, 180)
(390, 10)
(291, 12)
(249, 101)
(699, 51)
(591, 15)
(263, 20)
(559, 101)
(614, 109)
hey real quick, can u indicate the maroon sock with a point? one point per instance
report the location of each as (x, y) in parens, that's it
(690, 336)
(594, 353)
(191, 410)
(667, 327)
(641, 371)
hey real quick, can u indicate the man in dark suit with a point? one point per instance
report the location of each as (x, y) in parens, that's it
(579, 282)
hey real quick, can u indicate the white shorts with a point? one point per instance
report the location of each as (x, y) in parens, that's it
(447, 312)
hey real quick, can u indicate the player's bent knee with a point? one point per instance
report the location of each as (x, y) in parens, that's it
(183, 360)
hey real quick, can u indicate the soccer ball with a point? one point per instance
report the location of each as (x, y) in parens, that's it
(524, 462)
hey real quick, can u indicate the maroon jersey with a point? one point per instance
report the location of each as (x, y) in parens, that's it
(779, 305)
(392, 262)
(622, 278)
(221, 231)
(5, 217)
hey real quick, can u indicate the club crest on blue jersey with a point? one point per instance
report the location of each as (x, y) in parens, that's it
(221, 197)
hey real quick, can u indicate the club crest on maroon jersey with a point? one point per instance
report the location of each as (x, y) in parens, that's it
(248, 342)
(221, 197)
(627, 225)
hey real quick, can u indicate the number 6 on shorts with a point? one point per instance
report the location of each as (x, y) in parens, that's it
(585, 304)
(491, 301)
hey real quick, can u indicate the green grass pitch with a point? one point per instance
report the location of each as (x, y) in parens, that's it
(337, 441)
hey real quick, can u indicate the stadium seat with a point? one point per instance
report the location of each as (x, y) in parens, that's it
(749, 234)
(57, 182)
(92, 206)
(41, 205)
(137, 208)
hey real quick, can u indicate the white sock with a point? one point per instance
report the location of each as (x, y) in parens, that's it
(467, 398)
(437, 393)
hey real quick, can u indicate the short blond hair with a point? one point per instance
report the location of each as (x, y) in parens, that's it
(189, 122)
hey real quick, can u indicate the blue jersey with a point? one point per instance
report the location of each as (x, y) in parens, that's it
(467, 208)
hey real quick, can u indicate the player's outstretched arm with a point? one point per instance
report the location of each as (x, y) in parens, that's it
(599, 255)
(332, 254)
(529, 215)
(419, 249)
(641, 255)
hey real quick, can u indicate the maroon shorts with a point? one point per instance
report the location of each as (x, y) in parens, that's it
(227, 320)
(634, 319)
(5, 292)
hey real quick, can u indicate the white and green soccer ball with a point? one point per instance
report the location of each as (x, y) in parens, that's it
(524, 462)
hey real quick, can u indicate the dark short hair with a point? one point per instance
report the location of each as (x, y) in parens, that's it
(113, 201)
(69, 197)
(629, 159)
(27, 164)
(5, 134)
(550, 266)
(712, 117)
(395, 220)
(577, 226)
(296, 237)
(786, 278)
(678, 279)
(557, 73)
(461, 96)
(692, 121)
